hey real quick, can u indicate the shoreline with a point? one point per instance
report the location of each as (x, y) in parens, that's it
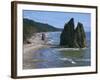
(37, 43)
(73, 49)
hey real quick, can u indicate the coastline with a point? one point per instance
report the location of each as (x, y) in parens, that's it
(39, 52)
(37, 43)
(73, 49)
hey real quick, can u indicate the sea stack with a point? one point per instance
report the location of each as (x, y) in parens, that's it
(71, 37)
(67, 35)
(80, 36)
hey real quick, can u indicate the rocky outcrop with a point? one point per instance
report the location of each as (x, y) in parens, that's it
(67, 35)
(73, 38)
(80, 36)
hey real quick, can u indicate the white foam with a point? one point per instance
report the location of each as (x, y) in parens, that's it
(67, 59)
(74, 49)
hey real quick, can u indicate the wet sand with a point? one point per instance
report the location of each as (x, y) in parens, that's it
(29, 50)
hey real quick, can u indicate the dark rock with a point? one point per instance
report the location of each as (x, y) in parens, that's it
(73, 38)
(80, 36)
(28, 42)
(67, 35)
(43, 36)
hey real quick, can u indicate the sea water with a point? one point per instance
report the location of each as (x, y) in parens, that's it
(52, 57)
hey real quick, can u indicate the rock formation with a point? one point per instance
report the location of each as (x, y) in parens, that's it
(80, 36)
(67, 35)
(73, 38)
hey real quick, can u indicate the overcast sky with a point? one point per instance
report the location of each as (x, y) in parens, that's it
(58, 19)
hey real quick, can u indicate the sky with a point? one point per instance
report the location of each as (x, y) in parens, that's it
(58, 19)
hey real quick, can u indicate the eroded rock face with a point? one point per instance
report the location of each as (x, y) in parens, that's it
(67, 35)
(73, 38)
(80, 36)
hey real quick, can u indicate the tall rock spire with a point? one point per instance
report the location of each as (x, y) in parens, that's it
(67, 35)
(73, 38)
(80, 36)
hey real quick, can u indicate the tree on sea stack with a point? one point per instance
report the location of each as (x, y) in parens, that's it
(67, 35)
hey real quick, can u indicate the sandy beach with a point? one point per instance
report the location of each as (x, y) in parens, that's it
(29, 50)
(35, 43)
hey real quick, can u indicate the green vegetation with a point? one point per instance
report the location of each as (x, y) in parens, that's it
(30, 27)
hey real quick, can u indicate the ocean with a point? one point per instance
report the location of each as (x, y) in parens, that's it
(52, 57)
